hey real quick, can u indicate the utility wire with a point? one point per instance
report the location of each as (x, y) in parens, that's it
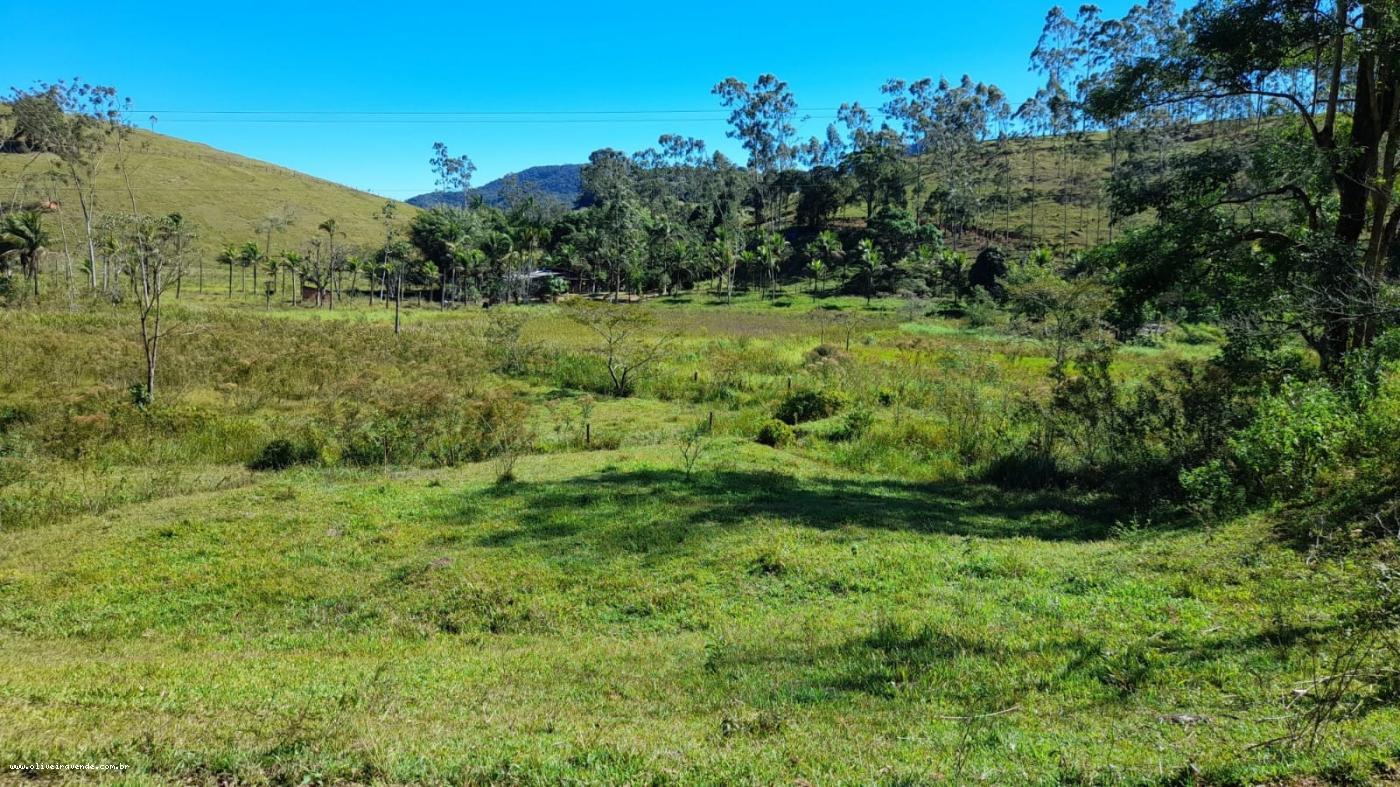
(354, 112)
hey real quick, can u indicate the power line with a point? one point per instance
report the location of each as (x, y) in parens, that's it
(438, 122)
(448, 121)
(354, 112)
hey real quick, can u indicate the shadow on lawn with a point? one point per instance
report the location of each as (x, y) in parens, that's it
(642, 510)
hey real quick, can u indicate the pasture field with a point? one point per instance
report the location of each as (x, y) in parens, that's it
(652, 596)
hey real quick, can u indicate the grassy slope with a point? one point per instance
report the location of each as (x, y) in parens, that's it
(1058, 188)
(222, 194)
(781, 615)
(606, 619)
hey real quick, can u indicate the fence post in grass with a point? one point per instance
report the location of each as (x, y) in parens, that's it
(711, 428)
(587, 435)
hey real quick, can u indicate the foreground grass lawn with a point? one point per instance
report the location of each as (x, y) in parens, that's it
(607, 619)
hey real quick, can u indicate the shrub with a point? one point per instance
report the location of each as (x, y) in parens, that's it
(379, 438)
(503, 338)
(803, 406)
(1196, 333)
(1024, 468)
(13, 415)
(1382, 417)
(983, 312)
(776, 434)
(1296, 435)
(575, 372)
(281, 454)
(495, 427)
(826, 354)
(1209, 488)
(854, 425)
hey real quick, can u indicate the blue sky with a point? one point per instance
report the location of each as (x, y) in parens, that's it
(645, 59)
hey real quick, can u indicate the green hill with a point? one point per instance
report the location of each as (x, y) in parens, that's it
(223, 195)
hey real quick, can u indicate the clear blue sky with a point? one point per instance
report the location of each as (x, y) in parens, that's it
(500, 57)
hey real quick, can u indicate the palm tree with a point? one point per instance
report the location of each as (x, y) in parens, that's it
(229, 257)
(292, 264)
(250, 256)
(818, 269)
(772, 251)
(870, 259)
(825, 251)
(498, 246)
(330, 227)
(271, 266)
(24, 237)
(726, 258)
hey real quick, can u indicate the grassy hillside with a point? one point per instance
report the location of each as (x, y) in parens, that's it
(851, 608)
(222, 194)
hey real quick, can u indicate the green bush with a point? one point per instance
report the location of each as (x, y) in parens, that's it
(13, 415)
(575, 372)
(281, 454)
(801, 406)
(983, 311)
(1196, 333)
(1381, 420)
(854, 425)
(1209, 488)
(1296, 435)
(1025, 468)
(776, 434)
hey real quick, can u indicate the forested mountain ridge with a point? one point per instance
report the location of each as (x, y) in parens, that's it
(561, 183)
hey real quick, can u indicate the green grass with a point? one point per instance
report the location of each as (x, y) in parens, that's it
(836, 612)
(222, 195)
(605, 619)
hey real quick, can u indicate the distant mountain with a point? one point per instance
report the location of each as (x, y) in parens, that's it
(556, 182)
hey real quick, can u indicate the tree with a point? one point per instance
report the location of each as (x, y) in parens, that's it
(273, 223)
(772, 250)
(249, 257)
(453, 173)
(1309, 203)
(878, 169)
(294, 265)
(229, 256)
(898, 234)
(988, 272)
(626, 340)
(393, 257)
(870, 260)
(825, 189)
(75, 122)
(397, 255)
(179, 233)
(947, 126)
(724, 253)
(23, 237)
(825, 253)
(762, 119)
(331, 228)
(155, 268)
(1055, 306)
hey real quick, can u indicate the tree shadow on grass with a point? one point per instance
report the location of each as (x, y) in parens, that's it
(648, 509)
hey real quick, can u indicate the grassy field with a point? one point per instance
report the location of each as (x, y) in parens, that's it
(856, 607)
(222, 195)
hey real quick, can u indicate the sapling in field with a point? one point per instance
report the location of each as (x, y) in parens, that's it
(695, 441)
(155, 266)
(626, 340)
